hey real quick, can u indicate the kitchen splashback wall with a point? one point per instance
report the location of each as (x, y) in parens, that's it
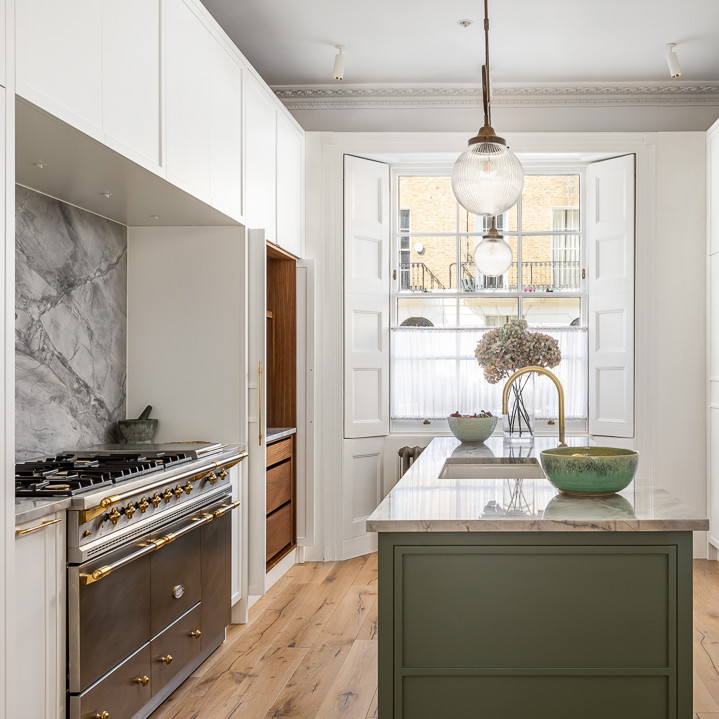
(70, 327)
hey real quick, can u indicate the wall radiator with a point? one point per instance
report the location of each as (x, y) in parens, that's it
(407, 456)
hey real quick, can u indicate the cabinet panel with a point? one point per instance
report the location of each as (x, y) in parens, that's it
(131, 79)
(260, 160)
(277, 451)
(59, 59)
(226, 78)
(279, 530)
(187, 98)
(279, 485)
(39, 621)
(290, 171)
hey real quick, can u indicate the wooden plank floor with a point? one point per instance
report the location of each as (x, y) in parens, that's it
(309, 650)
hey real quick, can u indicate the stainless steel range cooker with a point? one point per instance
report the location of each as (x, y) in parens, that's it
(148, 576)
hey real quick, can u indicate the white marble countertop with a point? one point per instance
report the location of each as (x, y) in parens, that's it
(423, 502)
(275, 433)
(29, 508)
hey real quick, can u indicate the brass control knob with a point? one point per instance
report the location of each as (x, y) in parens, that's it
(167, 659)
(167, 495)
(104, 715)
(142, 680)
(211, 477)
(114, 516)
(197, 634)
(155, 499)
(177, 491)
(143, 505)
(130, 510)
(188, 487)
(223, 473)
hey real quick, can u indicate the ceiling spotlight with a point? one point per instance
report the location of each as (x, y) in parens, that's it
(338, 72)
(464, 23)
(673, 60)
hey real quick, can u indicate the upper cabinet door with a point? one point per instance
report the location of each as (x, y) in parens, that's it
(290, 185)
(59, 59)
(261, 160)
(187, 99)
(131, 79)
(226, 77)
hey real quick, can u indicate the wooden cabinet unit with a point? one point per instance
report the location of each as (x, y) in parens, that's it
(281, 402)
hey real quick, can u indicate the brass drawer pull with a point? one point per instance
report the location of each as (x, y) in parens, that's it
(196, 634)
(37, 527)
(167, 659)
(142, 680)
(104, 715)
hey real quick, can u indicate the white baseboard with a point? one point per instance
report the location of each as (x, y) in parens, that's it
(356, 547)
(239, 611)
(280, 569)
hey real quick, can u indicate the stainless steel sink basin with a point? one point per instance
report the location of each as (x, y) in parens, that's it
(525, 468)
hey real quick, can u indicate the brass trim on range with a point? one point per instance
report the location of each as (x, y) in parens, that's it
(87, 515)
(224, 510)
(37, 527)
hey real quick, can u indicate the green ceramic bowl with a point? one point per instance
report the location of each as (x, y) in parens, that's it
(589, 471)
(472, 429)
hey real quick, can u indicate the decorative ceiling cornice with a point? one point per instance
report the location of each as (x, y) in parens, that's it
(391, 97)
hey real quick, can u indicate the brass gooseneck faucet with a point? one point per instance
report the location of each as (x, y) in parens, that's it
(557, 384)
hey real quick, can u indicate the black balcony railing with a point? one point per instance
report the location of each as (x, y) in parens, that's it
(549, 276)
(417, 277)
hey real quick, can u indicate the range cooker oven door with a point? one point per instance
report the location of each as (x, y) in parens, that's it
(121, 601)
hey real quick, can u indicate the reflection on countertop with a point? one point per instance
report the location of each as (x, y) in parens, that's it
(423, 501)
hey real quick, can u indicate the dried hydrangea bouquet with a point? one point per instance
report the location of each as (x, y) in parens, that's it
(502, 352)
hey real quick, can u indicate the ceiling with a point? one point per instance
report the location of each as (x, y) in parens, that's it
(291, 42)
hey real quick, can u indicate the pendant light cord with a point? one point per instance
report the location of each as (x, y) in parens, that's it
(485, 69)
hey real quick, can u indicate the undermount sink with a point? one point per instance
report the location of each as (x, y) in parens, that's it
(524, 468)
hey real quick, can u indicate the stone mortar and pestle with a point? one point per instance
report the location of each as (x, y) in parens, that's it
(141, 430)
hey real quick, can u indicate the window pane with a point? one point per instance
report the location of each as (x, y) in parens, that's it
(427, 264)
(543, 199)
(487, 311)
(556, 311)
(476, 223)
(426, 312)
(550, 263)
(472, 280)
(429, 204)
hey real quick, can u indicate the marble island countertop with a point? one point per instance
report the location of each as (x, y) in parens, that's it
(423, 501)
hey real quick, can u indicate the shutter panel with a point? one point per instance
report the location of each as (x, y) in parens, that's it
(367, 291)
(610, 264)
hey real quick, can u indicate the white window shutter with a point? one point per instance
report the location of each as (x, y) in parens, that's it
(367, 292)
(610, 265)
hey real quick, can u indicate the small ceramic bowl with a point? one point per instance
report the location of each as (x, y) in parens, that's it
(589, 471)
(472, 429)
(138, 431)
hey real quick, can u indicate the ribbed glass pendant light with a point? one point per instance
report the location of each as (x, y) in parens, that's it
(487, 178)
(493, 256)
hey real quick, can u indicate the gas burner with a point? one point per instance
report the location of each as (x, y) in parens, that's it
(70, 473)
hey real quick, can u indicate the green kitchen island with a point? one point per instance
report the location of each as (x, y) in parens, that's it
(500, 598)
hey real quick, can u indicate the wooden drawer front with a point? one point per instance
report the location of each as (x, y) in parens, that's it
(279, 530)
(279, 485)
(178, 642)
(118, 694)
(103, 642)
(176, 576)
(277, 451)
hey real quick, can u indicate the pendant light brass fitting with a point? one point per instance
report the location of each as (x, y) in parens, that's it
(486, 134)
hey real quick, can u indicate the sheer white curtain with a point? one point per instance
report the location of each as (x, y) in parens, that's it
(434, 373)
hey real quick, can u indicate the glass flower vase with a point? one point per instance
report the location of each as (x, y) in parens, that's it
(518, 423)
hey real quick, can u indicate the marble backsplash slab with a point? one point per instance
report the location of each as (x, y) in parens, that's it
(71, 326)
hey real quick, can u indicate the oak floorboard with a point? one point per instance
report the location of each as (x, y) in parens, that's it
(309, 650)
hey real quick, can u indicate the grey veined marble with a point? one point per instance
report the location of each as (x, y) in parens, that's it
(71, 326)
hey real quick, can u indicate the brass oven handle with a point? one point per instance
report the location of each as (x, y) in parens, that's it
(37, 527)
(224, 510)
(259, 403)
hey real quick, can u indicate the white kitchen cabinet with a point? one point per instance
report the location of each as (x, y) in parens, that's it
(290, 185)
(225, 126)
(187, 97)
(261, 159)
(39, 620)
(59, 59)
(3, 35)
(131, 79)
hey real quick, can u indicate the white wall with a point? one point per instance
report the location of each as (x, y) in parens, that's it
(670, 298)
